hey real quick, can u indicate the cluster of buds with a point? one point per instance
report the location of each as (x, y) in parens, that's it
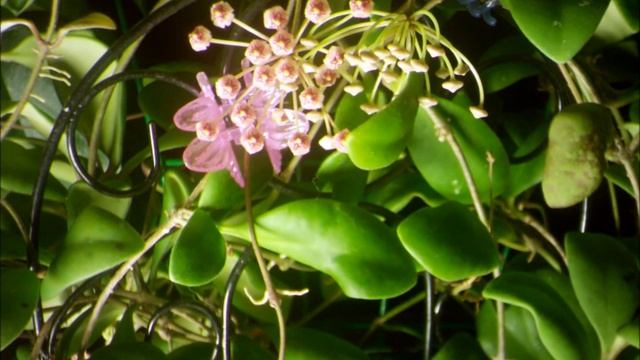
(280, 87)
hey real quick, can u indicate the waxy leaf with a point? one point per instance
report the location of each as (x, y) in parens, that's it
(338, 175)
(396, 193)
(94, 20)
(500, 76)
(199, 252)
(560, 330)
(349, 244)
(460, 346)
(97, 241)
(604, 276)
(18, 296)
(82, 195)
(575, 161)
(308, 344)
(449, 241)
(438, 165)
(521, 335)
(129, 351)
(379, 141)
(558, 28)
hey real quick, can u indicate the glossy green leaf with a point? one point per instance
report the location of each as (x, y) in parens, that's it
(604, 276)
(18, 296)
(20, 168)
(524, 175)
(381, 139)
(94, 20)
(502, 75)
(558, 28)
(242, 348)
(620, 20)
(72, 338)
(125, 329)
(338, 175)
(348, 112)
(438, 165)
(461, 346)
(199, 253)
(618, 175)
(160, 101)
(631, 332)
(308, 344)
(130, 351)
(97, 241)
(17, 6)
(82, 195)
(395, 194)
(574, 163)
(176, 189)
(521, 336)
(560, 329)
(449, 241)
(349, 244)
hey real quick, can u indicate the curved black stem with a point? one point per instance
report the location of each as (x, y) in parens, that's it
(155, 150)
(229, 290)
(165, 309)
(140, 29)
(428, 326)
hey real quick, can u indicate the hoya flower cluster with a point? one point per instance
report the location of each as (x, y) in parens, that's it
(289, 70)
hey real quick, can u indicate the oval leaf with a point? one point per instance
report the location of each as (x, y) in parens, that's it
(81, 195)
(18, 295)
(199, 252)
(129, 351)
(351, 245)
(338, 175)
(438, 165)
(604, 276)
(575, 161)
(379, 141)
(558, 28)
(97, 241)
(94, 20)
(460, 346)
(308, 344)
(449, 241)
(560, 330)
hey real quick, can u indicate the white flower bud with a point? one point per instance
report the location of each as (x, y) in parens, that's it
(361, 8)
(452, 85)
(282, 43)
(317, 11)
(478, 112)
(311, 99)
(200, 38)
(435, 50)
(275, 18)
(326, 77)
(299, 144)
(258, 52)
(334, 58)
(286, 70)
(370, 108)
(264, 77)
(227, 87)
(221, 14)
(419, 66)
(353, 89)
(427, 101)
(252, 140)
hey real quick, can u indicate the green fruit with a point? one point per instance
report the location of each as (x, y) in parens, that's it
(575, 161)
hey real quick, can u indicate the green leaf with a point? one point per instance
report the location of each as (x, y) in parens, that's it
(348, 112)
(94, 20)
(130, 351)
(521, 336)
(631, 332)
(176, 189)
(72, 338)
(199, 253)
(560, 329)
(449, 241)
(618, 175)
(503, 75)
(160, 101)
(438, 165)
(18, 295)
(17, 6)
(575, 161)
(620, 20)
(337, 174)
(380, 140)
(347, 243)
(558, 29)
(398, 192)
(242, 348)
(20, 167)
(97, 241)
(460, 346)
(524, 175)
(308, 344)
(125, 329)
(604, 276)
(82, 195)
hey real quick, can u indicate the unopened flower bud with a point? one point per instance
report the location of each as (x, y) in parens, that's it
(419, 66)
(461, 70)
(352, 59)
(200, 38)
(389, 76)
(367, 67)
(288, 88)
(258, 52)
(279, 116)
(311, 98)
(317, 11)
(452, 85)
(442, 73)
(326, 77)
(221, 14)
(227, 87)
(353, 89)
(299, 144)
(478, 112)
(427, 101)
(308, 43)
(340, 140)
(314, 116)
(405, 66)
(252, 140)
(275, 18)
(286, 70)
(207, 130)
(435, 50)
(370, 108)
(368, 56)
(264, 77)
(400, 53)
(243, 115)
(361, 8)
(334, 58)
(282, 43)
(382, 53)
(327, 142)
(393, 47)
(309, 68)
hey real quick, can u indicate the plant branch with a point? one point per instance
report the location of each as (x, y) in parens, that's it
(272, 296)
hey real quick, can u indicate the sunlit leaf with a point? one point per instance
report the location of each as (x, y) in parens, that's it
(94, 20)
(338, 175)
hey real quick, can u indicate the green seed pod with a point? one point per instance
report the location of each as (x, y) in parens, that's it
(578, 138)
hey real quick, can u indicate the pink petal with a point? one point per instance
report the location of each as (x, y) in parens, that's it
(195, 111)
(205, 85)
(204, 156)
(276, 158)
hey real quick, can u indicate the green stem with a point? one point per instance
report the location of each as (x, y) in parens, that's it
(380, 321)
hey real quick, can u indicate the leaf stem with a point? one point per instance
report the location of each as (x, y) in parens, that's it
(272, 296)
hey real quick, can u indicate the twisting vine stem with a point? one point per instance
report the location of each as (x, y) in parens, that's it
(272, 296)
